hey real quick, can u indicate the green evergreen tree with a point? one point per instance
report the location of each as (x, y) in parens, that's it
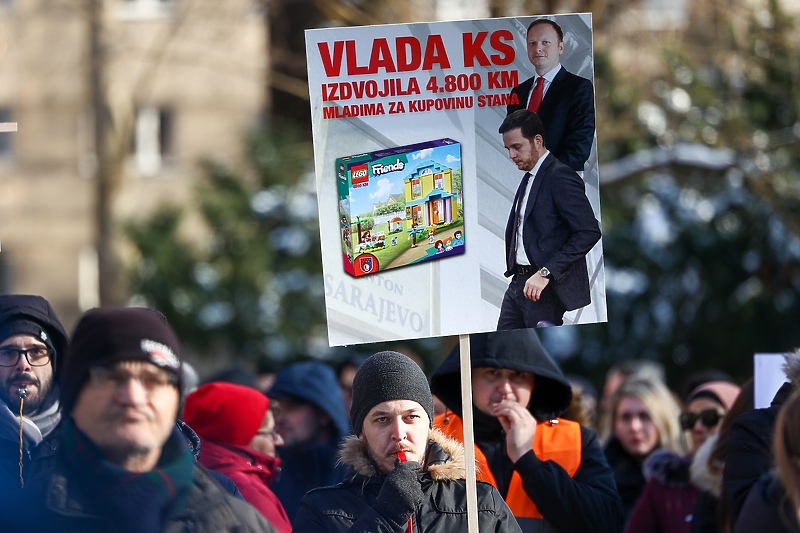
(251, 286)
(702, 242)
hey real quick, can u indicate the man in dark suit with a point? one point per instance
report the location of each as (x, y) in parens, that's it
(550, 230)
(563, 100)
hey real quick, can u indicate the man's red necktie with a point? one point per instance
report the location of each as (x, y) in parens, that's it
(536, 97)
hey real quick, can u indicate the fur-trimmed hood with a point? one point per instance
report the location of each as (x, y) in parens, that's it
(791, 366)
(667, 467)
(701, 474)
(444, 460)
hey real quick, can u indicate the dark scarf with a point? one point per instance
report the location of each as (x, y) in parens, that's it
(628, 473)
(134, 502)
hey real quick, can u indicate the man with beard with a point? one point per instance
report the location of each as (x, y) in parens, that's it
(402, 474)
(32, 340)
(550, 229)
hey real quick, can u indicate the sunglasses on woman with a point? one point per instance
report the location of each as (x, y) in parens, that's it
(709, 418)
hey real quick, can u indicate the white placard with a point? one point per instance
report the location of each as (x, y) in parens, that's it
(768, 376)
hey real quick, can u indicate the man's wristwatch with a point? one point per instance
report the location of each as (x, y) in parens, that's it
(544, 272)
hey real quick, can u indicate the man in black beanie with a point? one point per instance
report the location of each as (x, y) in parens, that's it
(32, 340)
(121, 463)
(402, 474)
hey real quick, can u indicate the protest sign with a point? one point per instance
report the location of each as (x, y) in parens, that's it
(376, 88)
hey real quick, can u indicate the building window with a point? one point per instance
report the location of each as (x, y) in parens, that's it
(153, 140)
(659, 15)
(416, 188)
(146, 9)
(88, 278)
(6, 278)
(7, 132)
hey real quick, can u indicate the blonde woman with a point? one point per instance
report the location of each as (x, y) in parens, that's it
(773, 504)
(668, 500)
(644, 415)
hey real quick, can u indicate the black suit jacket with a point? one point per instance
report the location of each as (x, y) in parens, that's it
(567, 112)
(559, 229)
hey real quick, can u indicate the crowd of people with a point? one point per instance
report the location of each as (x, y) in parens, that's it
(108, 429)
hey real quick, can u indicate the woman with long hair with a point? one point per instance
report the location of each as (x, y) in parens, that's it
(668, 500)
(644, 418)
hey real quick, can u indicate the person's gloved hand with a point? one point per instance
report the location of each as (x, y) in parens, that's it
(401, 493)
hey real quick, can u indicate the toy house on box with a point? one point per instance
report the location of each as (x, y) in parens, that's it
(400, 206)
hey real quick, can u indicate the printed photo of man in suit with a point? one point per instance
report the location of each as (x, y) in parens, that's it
(550, 230)
(564, 101)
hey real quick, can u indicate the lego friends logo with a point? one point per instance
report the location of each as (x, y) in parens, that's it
(359, 174)
(380, 168)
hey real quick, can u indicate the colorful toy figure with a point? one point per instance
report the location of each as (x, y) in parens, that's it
(413, 234)
(448, 244)
(346, 237)
(458, 238)
(431, 231)
(439, 247)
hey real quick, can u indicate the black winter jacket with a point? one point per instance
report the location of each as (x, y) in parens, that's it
(767, 509)
(587, 502)
(348, 506)
(50, 501)
(750, 450)
(209, 510)
(628, 475)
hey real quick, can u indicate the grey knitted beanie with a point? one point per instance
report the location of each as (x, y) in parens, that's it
(388, 376)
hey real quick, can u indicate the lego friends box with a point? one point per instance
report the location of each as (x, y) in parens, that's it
(421, 222)
(387, 95)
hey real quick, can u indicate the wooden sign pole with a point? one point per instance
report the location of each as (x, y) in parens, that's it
(469, 433)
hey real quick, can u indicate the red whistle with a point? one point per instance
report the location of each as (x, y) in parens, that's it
(401, 454)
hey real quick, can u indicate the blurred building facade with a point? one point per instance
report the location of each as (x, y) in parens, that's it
(184, 79)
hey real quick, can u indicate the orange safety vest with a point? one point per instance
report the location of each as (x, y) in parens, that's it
(559, 442)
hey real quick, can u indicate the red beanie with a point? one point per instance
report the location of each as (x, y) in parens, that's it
(226, 413)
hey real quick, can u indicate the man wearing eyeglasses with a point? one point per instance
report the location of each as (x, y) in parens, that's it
(31, 341)
(122, 464)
